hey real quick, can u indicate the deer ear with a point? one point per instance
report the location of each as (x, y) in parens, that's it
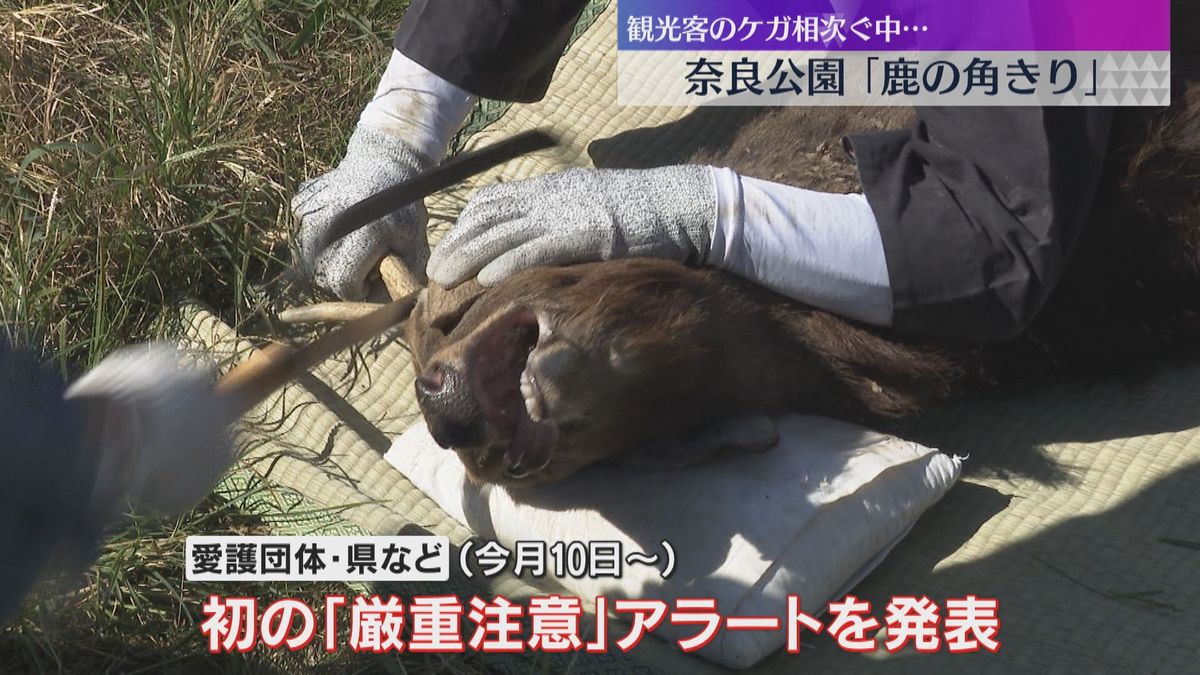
(444, 308)
(437, 312)
(756, 433)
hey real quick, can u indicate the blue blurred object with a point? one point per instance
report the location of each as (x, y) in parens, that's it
(48, 475)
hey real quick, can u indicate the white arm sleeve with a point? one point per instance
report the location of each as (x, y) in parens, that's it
(417, 106)
(820, 248)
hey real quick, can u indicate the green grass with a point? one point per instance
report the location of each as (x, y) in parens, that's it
(148, 151)
(150, 148)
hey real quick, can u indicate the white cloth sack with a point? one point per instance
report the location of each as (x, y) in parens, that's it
(810, 517)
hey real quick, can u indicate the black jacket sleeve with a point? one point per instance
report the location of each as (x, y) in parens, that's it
(979, 209)
(498, 49)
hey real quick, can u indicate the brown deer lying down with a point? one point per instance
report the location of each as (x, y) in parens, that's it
(657, 363)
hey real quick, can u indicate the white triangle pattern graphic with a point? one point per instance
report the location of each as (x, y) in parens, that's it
(1130, 78)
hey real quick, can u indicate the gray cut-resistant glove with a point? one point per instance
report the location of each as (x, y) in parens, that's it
(579, 215)
(374, 160)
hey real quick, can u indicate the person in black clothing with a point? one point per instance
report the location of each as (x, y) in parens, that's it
(965, 221)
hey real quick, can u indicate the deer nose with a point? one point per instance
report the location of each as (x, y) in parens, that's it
(451, 411)
(433, 381)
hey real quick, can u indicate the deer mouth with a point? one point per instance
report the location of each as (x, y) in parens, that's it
(505, 384)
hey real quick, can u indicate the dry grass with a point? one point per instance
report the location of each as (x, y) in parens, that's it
(148, 151)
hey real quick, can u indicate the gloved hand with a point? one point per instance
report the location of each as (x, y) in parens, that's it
(143, 426)
(160, 434)
(405, 129)
(577, 216)
(374, 160)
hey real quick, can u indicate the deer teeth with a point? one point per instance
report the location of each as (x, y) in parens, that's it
(533, 405)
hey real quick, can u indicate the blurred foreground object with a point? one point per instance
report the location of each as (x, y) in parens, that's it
(149, 426)
(143, 427)
(44, 513)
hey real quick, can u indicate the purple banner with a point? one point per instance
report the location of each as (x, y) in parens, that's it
(895, 25)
